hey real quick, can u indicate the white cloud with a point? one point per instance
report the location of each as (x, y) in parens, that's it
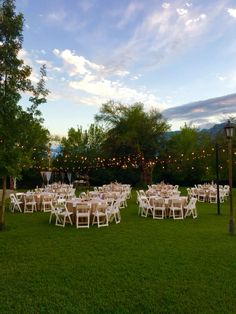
(56, 52)
(228, 79)
(130, 13)
(169, 99)
(94, 84)
(46, 62)
(57, 16)
(24, 55)
(232, 12)
(155, 40)
(188, 4)
(54, 96)
(221, 78)
(231, 79)
(34, 77)
(194, 21)
(165, 5)
(76, 64)
(182, 11)
(121, 73)
(104, 90)
(66, 19)
(135, 77)
(30, 58)
(57, 69)
(86, 5)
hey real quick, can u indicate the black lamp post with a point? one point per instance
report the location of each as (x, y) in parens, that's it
(229, 132)
(217, 177)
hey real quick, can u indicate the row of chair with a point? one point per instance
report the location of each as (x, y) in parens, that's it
(28, 204)
(103, 214)
(209, 195)
(25, 204)
(158, 209)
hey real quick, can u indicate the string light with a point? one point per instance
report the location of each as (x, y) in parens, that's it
(74, 161)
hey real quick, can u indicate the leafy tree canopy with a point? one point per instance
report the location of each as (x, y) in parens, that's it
(21, 132)
(131, 129)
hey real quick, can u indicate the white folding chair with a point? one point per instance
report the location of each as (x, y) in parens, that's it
(83, 215)
(29, 203)
(58, 208)
(191, 209)
(145, 207)
(158, 208)
(226, 191)
(63, 216)
(20, 196)
(113, 211)
(47, 203)
(123, 202)
(60, 199)
(212, 197)
(53, 212)
(201, 196)
(222, 195)
(100, 215)
(15, 204)
(176, 209)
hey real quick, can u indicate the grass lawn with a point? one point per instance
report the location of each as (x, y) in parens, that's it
(138, 266)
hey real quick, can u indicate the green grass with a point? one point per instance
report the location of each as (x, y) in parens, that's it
(138, 266)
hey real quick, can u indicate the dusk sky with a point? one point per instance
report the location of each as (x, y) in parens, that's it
(176, 56)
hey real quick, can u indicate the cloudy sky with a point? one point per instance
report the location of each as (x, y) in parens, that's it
(176, 56)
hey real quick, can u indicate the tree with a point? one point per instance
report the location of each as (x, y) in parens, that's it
(20, 132)
(184, 156)
(80, 148)
(135, 132)
(40, 92)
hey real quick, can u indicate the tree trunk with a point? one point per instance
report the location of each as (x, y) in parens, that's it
(2, 206)
(146, 174)
(12, 183)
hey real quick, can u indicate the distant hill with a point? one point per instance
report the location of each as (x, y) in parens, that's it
(213, 131)
(216, 129)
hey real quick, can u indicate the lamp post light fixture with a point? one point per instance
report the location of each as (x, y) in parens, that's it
(229, 132)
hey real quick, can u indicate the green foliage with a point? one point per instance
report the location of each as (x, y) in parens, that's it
(19, 142)
(133, 131)
(29, 179)
(40, 92)
(83, 140)
(21, 133)
(13, 73)
(183, 156)
(138, 266)
(74, 139)
(79, 149)
(98, 177)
